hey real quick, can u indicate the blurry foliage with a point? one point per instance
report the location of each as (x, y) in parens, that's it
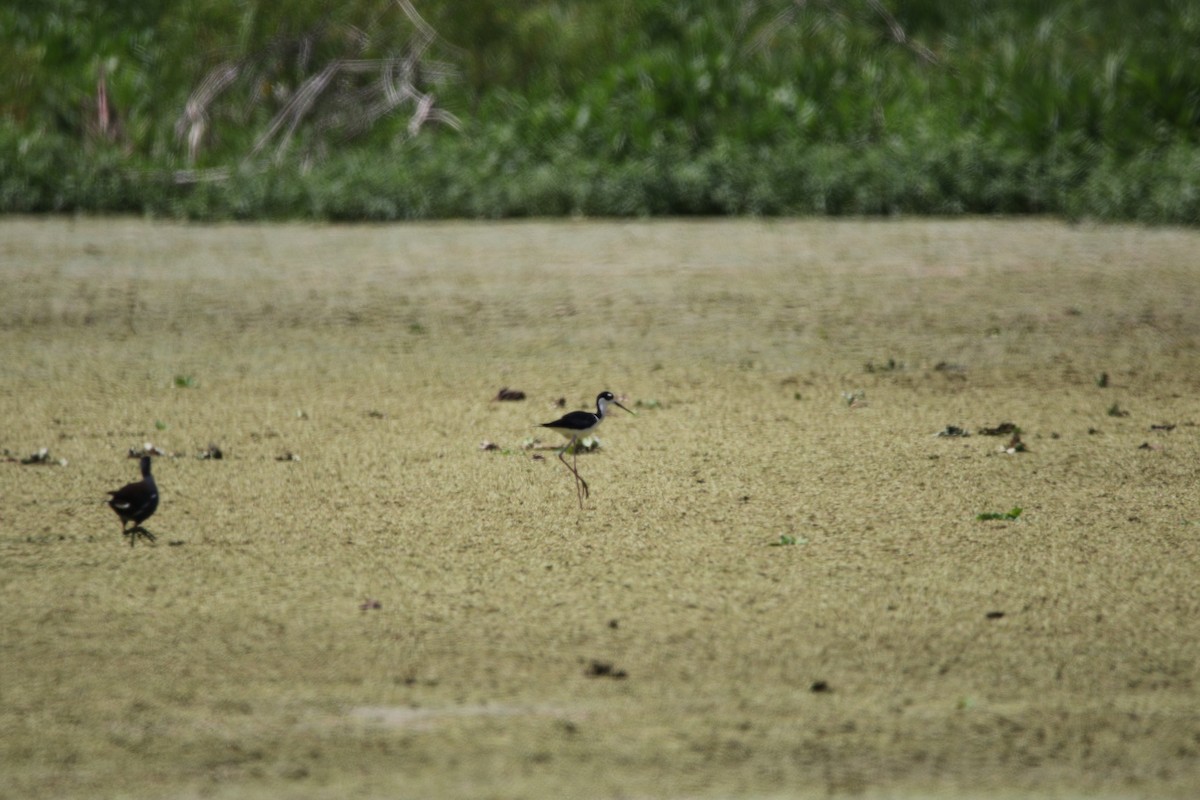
(636, 107)
(308, 91)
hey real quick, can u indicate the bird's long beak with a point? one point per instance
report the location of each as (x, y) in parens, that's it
(615, 403)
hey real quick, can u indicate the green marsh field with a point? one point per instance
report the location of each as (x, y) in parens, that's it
(780, 585)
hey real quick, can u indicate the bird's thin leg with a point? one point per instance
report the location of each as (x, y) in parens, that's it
(574, 471)
(582, 482)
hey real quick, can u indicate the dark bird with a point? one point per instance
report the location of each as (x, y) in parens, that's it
(578, 425)
(136, 502)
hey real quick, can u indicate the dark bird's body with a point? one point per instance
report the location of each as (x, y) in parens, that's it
(136, 503)
(576, 426)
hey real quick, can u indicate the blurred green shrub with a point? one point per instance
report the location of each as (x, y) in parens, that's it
(630, 107)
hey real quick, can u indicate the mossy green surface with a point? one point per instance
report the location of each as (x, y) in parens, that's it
(399, 613)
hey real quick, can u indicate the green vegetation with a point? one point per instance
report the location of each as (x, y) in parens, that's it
(615, 107)
(1011, 514)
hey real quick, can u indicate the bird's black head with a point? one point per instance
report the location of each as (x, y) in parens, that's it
(604, 398)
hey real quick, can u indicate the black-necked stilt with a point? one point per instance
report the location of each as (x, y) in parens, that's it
(578, 425)
(136, 502)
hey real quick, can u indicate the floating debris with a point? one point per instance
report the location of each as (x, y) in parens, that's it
(212, 452)
(370, 605)
(485, 445)
(1010, 515)
(952, 430)
(42, 456)
(1015, 445)
(1163, 427)
(604, 669)
(585, 445)
(508, 395)
(947, 366)
(891, 365)
(288, 456)
(1003, 429)
(855, 399)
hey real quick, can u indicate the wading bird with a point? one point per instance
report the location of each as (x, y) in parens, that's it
(578, 425)
(136, 502)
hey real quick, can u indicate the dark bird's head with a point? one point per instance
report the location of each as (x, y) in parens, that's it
(604, 398)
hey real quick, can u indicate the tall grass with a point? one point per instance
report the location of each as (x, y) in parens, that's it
(633, 108)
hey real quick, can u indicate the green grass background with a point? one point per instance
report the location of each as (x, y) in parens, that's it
(614, 108)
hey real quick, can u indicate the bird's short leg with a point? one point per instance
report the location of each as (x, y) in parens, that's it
(138, 530)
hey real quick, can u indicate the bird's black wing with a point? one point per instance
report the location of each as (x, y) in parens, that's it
(579, 420)
(134, 501)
